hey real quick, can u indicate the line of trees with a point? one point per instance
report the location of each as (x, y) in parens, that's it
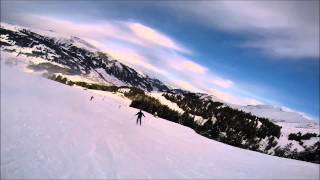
(298, 136)
(242, 129)
(230, 126)
(94, 86)
(310, 154)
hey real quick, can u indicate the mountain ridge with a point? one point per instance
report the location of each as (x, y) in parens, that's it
(78, 60)
(276, 114)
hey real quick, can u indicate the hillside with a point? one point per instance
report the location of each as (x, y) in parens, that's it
(49, 130)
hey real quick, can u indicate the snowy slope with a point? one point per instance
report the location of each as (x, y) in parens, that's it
(291, 122)
(275, 113)
(50, 130)
(288, 128)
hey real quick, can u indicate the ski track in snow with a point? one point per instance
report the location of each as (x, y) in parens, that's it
(50, 130)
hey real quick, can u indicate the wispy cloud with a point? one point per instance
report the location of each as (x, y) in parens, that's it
(131, 57)
(232, 99)
(132, 32)
(225, 83)
(287, 29)
(152, 36)
(182, 64)
(186, 85)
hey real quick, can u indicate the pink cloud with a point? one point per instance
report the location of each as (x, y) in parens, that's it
(128, 56)
(222, 82)
(181, 64)
(186, 85)
(153, 36)
(228, 98)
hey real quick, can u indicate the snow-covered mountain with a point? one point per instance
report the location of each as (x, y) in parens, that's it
(276, 114)
(73, 57)
(53, 131)
(291, 123)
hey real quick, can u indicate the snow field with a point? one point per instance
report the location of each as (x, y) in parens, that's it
(50, 130)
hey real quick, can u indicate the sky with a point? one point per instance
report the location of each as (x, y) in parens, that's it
(243, 52)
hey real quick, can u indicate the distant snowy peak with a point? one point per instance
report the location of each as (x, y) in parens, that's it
(78, 42)
(276, 114)
(265, 106)
(208, 97)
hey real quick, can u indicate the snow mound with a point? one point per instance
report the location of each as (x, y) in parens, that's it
(50, 130)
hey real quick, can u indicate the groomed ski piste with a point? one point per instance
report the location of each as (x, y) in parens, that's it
(50, 130)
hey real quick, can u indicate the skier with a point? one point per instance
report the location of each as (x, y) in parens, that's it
(139, 114)
(91, 98)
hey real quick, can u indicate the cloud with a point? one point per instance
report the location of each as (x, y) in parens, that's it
(132, 32)
(131, 57)
(181, 64)
(67, 27)
(234, 99)
(127, 56)
(285, 29)
(220, 95)
(152, 36)
(222, 82)
(186, 85)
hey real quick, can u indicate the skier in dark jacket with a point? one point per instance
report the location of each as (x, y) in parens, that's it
(139, 114)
